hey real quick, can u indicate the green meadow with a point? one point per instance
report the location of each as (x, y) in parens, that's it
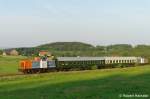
(90, 84)
(9, 64)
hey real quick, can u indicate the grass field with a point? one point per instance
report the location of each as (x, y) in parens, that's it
(9, 64)
(94, 84)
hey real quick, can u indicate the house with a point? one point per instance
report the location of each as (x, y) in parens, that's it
(14, 53)
(11, 52)
(4, 54)
(45, 53)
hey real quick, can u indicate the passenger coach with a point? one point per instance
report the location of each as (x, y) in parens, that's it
(80, 62)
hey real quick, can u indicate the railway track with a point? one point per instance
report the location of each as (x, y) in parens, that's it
(12, 74)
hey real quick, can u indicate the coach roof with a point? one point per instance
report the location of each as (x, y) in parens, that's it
(80, 58)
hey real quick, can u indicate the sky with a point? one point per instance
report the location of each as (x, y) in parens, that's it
(25, 23)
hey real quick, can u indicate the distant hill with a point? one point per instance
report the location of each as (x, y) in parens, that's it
(84, 49)
(66, 46)
(58, 49)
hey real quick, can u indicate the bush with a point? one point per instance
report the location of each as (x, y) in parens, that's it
(93, 67)
(123, 65)
(1, 52)
(118, 65)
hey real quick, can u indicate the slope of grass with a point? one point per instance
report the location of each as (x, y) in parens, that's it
(94, 84)
(9, 64)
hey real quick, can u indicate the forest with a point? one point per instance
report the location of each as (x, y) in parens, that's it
(84, 49)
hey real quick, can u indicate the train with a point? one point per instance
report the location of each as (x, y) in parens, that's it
(44, 64)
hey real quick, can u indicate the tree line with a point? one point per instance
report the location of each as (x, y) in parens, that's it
(83, 49)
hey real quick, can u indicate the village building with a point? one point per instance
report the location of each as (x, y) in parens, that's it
(11, 52)
(45, 53)
(4, 54)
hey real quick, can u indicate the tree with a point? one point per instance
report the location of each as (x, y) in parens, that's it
(1, 52)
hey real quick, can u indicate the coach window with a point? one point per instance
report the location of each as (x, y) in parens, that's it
(116, 61)
(71, 63)
(119, 61)
(113, 61)
(130, 61)
(97, 62)
(91, 62)
(125, 61)
(101, 62)
(66, 63)
(82, 62)
(107, 61)
(94, 62)
(77, 62)
(86, 62)
(110, 61)
(63, 63)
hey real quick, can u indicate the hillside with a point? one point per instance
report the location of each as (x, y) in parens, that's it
(66, 46)
(83, 49)
(59, 49)
(94, 84)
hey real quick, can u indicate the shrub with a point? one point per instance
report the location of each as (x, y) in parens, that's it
(118, 65)
(93, 67)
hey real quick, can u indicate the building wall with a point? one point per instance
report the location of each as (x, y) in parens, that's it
(14, 53)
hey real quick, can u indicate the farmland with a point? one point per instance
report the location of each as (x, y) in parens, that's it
(92, 84)
(9, 64)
